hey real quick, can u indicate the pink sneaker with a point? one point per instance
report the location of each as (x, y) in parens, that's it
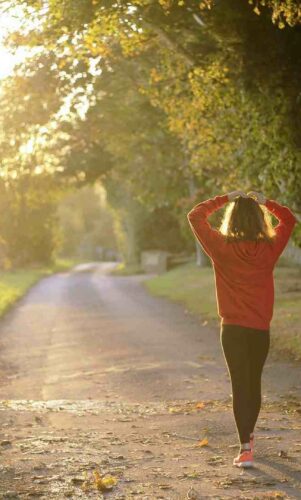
(244, 459)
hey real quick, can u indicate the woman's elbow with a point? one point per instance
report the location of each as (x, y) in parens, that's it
(191, 215)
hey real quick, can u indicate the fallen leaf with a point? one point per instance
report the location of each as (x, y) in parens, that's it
(214, 460)
(282, 453)
(164, 486)
(192, 494)
(5, 442)
(77, 480)
(203, 442)
(175, 410)
(104, 483)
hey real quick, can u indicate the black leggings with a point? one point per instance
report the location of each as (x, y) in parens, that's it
(245, 350)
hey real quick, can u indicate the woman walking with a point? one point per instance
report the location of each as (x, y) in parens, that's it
(244, 252)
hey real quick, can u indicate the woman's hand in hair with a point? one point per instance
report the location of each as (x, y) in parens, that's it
(259, 197)
(235, 194)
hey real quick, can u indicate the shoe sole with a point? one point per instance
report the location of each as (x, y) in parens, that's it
(244, 464)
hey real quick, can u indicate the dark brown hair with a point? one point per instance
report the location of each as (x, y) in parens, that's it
(245, 219)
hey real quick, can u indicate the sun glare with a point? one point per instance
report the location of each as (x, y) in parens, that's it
(7, 62)
(8, 23)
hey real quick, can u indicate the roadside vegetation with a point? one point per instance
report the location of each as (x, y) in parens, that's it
(15, 283)
(193, 287)
(155, 105)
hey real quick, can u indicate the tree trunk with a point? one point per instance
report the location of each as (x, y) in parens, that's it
(201, 257)
(132, 245)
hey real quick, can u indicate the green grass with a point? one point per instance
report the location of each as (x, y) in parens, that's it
(189, 285)
(14, 283)
(194, 287)
(286, 336)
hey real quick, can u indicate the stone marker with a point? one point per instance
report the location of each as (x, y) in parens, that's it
(154, 261)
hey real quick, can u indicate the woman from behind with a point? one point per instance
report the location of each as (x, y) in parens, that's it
(243, 252)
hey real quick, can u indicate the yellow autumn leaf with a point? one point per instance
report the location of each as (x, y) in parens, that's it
(104, 483)
(203, 442)
(174, 410)
(200, 405)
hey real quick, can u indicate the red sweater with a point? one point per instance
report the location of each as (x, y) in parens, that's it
(243, 269)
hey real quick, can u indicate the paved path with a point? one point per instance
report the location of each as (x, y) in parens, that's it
(97, 375)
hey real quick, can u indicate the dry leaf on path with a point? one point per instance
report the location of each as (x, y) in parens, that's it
(104, 483)
(282, 453)
(203, 442)
(192, 494)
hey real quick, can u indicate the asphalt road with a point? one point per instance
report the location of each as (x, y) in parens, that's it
(93, 368)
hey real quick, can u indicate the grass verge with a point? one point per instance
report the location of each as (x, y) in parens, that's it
(14, 283)
(194, 288)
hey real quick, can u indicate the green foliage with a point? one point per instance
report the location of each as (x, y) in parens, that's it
(28, 223)
(168, 100)
(161, 231)
(85, 222)
(284, 12)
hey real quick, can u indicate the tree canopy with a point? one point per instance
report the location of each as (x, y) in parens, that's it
(162, 101)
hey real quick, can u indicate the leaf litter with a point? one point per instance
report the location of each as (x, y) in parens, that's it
(88, 478)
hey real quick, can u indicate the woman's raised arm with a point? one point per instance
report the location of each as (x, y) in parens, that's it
(197, 218)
